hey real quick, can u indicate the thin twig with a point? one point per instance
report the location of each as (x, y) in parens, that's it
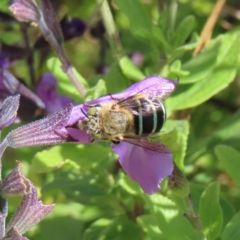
(206, 33)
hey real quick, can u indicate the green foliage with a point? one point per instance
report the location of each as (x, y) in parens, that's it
(210, 211)
(94, 198)
(229, 158)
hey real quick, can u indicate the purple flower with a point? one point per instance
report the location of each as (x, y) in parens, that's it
(146, 163)
(25, 10)
(15, 184)
(149, 166)
(30, 212)
(46, 90)
(8, 111)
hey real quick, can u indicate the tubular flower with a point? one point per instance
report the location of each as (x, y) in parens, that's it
(147, 163)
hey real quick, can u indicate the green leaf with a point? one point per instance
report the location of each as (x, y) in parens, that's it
(193, 43)
(97, 91)
(119, 228)
(169, 218)
(115, 80)
(216, 81)
(122, 228)
(228, 211)
(83, 155)
(227, 133)
(200, 66)
(174, 136)
(96, 230)
(65, 85)
(150, 227)
(230, 160)
(130, 70)
(176, 69)
(65, 222)
(183, 31)
(232, 230)
(134, 9)
(210, 211)
(47, 160)
(128, 185)
(159, 37)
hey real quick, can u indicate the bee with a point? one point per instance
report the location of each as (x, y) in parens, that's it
(130, 120)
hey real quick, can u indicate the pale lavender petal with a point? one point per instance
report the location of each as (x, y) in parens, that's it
(47, 91)
(14, 235)
(3, 215)
(77, 114)
(144, 166)
(15, 184)
(29, 213)
(137, 58)
(41, 132)
(25, 10)
(13, 86)
(8, 111)
(154, 86)
(78, 135)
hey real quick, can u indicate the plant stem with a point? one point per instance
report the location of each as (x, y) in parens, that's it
(193, 217)
(172, 15)
(112, 33)
(66, 64)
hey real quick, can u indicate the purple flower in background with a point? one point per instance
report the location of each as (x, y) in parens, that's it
(47, 91)
(146, 163)
(46, 100)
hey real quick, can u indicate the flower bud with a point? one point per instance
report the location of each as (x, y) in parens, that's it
(178, 183)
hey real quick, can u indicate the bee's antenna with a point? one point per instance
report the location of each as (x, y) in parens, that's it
(84, 113)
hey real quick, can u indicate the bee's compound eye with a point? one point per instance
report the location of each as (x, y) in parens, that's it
(116, 142)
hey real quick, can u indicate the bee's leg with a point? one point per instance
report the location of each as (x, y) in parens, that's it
(117, 140)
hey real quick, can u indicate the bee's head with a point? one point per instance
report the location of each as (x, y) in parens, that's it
(91, 125)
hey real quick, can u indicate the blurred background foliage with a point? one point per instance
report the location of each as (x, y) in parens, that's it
(94, 198)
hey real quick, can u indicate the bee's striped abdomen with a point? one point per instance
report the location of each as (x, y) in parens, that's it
(151, 116)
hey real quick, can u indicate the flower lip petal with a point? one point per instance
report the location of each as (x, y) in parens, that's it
(144, 166)
(153, 85)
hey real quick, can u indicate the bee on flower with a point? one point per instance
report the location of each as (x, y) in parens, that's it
(125, 119)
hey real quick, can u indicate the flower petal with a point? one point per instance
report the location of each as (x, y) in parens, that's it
(153, 85)
(8, 111)
(47, 91)
(14, 235)
(41, 132)
(15, 184)
(25, 11)
(29, 213)
(144, 166)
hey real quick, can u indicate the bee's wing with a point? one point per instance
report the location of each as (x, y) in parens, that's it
(143, 142)
(132, 103)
